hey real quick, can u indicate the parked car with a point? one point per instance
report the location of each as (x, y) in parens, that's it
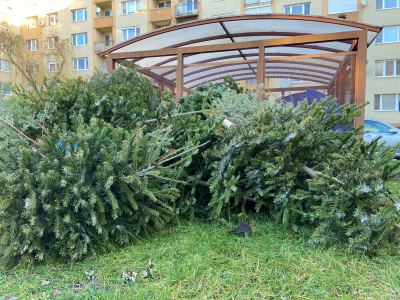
(374, 129)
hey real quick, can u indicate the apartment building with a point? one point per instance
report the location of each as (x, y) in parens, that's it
(92, 26)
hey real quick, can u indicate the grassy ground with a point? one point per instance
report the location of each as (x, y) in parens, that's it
(202, 261)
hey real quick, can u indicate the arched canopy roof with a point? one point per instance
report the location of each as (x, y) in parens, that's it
(316, 60)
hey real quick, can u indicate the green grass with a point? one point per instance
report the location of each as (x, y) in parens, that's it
(202, 261)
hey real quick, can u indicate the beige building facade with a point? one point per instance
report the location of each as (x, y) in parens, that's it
(95, 25)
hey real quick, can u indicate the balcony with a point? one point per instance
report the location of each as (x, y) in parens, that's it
(103, 22)
(251, 2)
(159, 14)
(186, 9)
(102, 46)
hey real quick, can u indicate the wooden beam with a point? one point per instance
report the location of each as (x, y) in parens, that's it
(293, 40)
(110, 63)
(316, 19)
(179, 76)
(361, 75)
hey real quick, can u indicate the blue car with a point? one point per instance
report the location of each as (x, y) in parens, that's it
(374, 129)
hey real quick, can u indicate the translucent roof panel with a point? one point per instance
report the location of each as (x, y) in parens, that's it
(317, 61)
(207, 30)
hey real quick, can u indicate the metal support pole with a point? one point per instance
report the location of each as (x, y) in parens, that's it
(179, 76)
(361, 75)
(261, 69)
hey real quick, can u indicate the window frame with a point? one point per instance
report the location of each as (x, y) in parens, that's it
(4, 16)
(36, 70)
(253, 7)
(127, 28)
(36, 45)
(383, 5)
(165, 4)
(28, 24)
(342, 11)
(380, 102)
(252, 79)
(56, 62)
(55, 40)
(303, 5)
(110, 10)
(86, 63)
(6, 93)
(383, 36)
(2, 63)
(128, 13)
(85, 38)
(55, 18)
(396, 64)
(75, 11)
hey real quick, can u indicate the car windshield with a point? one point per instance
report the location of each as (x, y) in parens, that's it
(375, 127)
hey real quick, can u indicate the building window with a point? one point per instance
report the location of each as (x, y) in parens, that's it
(79, 15)
(250, 2)
(386, 102)
(31, 23)
(4, 19)
(30, 87)
(342, 6)
(4, 66)
(129, 7)
(32, 68)
(253, 81)
(259, 10)
(32, 45)
(131, 32)
(108, 13)
(302, 9)
(53, 65)
(223, 15)
(79, 39)
(81, 64)
(389, 35)
(6, 92)
(387, 68)
(162, 4)
(51, 19)
(52, 42)
(386, 4)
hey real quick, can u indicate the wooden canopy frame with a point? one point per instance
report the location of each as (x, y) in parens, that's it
(333, 78)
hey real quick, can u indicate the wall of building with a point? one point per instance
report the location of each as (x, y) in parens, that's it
(13, 75)
(132, 20)
(376, 86)
(220, 7)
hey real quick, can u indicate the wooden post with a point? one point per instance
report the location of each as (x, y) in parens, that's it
(179, 76)
(361, 75)
(261, 69)
(110, 63)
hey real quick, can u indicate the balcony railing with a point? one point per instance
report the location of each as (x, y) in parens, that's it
(188, 8)
(251, 2)
(102, 46)
(157, 14)
(103, 22)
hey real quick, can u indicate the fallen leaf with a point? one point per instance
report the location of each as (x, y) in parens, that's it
(45, 282)
(55, 293)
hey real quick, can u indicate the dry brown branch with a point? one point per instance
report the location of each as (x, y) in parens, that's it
(19, 132)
